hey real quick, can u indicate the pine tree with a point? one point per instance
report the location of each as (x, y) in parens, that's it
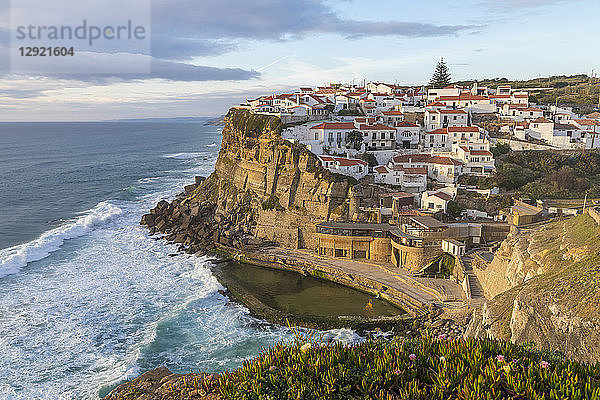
(441, 76)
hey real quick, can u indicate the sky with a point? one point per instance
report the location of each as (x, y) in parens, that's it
(202, 56)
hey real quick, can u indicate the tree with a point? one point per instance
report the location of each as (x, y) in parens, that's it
(356, 139)
(441, 76)
(453, 209)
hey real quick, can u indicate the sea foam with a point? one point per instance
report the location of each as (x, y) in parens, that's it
(14, 258)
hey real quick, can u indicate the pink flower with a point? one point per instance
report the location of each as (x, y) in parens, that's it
(442, 336)
(397, 372)
(500, 358)
(544, 364)
(412, 357)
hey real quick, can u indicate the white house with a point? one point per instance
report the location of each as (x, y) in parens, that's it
(411, 180)
(468, 134)
(440, 168)
(454, 247)
(378, 136)
(433, 94)
(438, 119)
(391, 117)
(347, 166)
(567, 136)
(540, 128)
(467, 100)
(333, 135)
(407, 135)
(437, 139)
(477, 162)
(436, 200)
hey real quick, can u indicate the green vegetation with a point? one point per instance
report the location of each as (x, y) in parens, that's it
(442, 266)
(441, 76)
(544, 174)
(253, 125)
(356, 139)
(355, 112)
(500, 149)
(453, 209)
(370, 159)
(425, 368)
(272, 203)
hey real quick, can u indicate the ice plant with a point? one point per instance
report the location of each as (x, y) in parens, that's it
(412, 357)
(305, 347)
(544, 364)
(500, 358)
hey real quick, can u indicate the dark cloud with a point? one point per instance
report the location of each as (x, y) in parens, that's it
(160, 69)
(177, 28)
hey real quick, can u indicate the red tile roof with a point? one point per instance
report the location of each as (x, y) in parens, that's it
(463, 129)
(451, 111)
(440, 131)
(335, 125)
(406, 124)
(481, 153)
(382, 169)
(443, 196)
(445, 161)
(541, 120)
(392, 112)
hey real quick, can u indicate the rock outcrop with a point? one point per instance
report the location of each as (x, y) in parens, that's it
(545, 284)
(263, 189)
(162, 384)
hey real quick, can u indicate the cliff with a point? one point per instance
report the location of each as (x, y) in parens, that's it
(264, 188)
(545, 288)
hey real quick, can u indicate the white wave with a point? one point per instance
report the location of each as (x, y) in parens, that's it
(344, 335)
(211, 145)
(14, 258)
(149, 180)
(184, 156)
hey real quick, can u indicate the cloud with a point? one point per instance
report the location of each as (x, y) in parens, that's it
(21, 93)
(517, 4)
(180, 31)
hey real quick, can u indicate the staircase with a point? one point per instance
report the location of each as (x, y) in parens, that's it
(475, 288)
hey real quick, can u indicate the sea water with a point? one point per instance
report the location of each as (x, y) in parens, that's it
(87, 297)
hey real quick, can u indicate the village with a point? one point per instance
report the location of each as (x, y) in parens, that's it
(417, 142)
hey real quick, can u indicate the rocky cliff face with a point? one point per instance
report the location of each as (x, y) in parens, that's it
(545, 284)
(264, 188)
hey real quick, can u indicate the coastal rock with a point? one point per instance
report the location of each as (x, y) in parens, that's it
(264, 188)
(162, 384)
(550, 297)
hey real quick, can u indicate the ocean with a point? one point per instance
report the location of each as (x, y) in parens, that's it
(87, 297)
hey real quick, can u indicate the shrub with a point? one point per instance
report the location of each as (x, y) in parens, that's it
(424, 368)
(272, 203)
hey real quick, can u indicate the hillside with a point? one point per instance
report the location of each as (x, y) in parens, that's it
(545, 288)
(543, 174)
(579, 91)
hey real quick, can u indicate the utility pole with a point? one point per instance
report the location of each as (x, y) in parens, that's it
(584, 201)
